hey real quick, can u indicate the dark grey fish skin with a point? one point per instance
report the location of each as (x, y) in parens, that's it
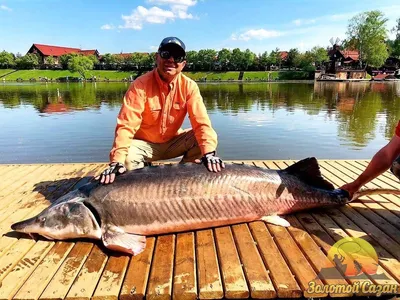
(157, 200)
(395, 168)
(170, 199)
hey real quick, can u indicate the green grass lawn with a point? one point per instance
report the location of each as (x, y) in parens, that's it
(54, 74)
(260, 75)
(196, 75)
(215, 76)
(5, 71)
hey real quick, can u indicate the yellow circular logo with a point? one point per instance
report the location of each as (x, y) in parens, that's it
(354, 256)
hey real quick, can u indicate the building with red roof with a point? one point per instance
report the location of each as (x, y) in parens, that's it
(44, 51)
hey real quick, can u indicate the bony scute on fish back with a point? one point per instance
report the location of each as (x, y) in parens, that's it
(170, 199)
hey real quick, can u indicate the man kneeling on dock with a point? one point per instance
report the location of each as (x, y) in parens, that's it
(384, 159)
(153, 110)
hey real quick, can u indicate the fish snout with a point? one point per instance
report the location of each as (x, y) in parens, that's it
(23, 225)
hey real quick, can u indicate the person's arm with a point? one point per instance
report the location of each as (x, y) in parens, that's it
(205, 135)
(128, 122)
(381, 161)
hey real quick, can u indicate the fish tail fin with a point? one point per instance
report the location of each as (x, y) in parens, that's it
(368, 192)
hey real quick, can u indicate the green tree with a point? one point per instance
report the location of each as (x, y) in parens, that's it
(29, 61)
(292, 54)
(80, 64)
(367, 33)
(192, 60)
(264, 60)
(320, 55)
(248, 59)
(395, 44)
(236, 59)
(7, 60)
(50, 60)
(207, 58)
(224, 58)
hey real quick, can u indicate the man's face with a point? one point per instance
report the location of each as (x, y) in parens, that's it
(168, 62)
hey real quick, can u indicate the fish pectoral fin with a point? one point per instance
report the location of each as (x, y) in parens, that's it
(118, 240)
(276, 220)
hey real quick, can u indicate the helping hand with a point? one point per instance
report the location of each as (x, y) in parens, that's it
(351, 188)
(108, 175)
(212, 162)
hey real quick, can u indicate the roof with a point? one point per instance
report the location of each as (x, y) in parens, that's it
(48, 50)
(347, 54)
(353, 54)
(284, 54)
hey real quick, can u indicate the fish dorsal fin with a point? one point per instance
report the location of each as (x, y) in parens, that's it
(307, 170)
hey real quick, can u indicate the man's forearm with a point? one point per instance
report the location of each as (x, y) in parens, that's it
(378, 164)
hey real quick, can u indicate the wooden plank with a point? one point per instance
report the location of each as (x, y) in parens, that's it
(365, 224)
(208, 274)
(137, 275)
(39, 279)
(13, 256)
(298, 263)
(376, 212)
(390, 202)
(324, 240)
(111, 280)
(280, 273)
(231, 268)
(7, 241)
(388, 265)
(88, 277)
(16, 278)
(260, 284)
(66, 274)
(283, 279)
(185, 283)
(316, 257)
(160, 282)
(14, 174)
(25, 184)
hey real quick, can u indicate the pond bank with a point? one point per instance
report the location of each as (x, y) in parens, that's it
(120, 76)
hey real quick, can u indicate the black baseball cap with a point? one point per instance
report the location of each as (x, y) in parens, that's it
(172, 42)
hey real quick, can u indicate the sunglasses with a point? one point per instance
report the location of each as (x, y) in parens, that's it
(167, 55)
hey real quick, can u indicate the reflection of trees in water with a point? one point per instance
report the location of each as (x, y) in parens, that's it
(355, 106)
(75, 96)
(359, 105)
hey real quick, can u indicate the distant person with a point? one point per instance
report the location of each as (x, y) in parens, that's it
(153, 110)
(384, 159)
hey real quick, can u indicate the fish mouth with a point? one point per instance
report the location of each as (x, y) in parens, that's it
(23, 225)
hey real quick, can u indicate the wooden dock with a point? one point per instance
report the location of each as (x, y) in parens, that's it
(254, 260)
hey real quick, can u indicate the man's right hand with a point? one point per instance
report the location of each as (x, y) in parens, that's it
(108, 175)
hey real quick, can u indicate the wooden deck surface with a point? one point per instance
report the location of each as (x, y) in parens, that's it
(254, 260)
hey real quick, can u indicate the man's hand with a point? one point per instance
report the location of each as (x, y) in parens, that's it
(351, 188)
(108, 175)
(212, 162)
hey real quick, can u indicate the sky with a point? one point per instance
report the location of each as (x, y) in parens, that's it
(139, 25)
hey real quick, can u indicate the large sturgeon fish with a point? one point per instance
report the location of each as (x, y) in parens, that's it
(184, 197)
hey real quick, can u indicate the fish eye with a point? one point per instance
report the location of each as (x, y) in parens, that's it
(42, 220)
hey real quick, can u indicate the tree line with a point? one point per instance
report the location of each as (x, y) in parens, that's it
(366, 32)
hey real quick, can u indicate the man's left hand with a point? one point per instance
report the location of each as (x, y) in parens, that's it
(212, 162)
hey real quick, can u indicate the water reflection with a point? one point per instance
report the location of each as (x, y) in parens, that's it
(276, 116)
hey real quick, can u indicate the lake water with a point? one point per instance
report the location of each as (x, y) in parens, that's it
(60, 122)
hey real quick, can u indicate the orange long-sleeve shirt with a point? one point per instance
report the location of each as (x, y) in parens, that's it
(154, 111)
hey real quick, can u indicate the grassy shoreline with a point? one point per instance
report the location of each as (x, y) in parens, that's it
(100, 75)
